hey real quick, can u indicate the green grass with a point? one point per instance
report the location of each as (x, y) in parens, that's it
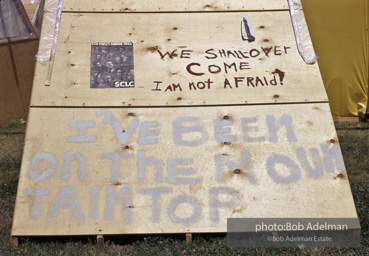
(15, 126)
(11, 147)
(354, 140)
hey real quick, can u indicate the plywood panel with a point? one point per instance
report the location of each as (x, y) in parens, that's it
(268, 70)
(24, 58)
(171, 5)
(170, 170)
(11, 100)
(30, 9)
(15, 98)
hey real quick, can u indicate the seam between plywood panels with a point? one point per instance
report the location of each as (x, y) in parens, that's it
(174, 5)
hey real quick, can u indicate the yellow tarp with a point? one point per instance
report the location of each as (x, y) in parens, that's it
(338, 29)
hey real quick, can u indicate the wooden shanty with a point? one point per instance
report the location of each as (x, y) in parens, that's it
(18, 46)
(213, 125)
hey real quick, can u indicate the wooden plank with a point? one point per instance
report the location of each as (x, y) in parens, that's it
(30, 9)
(14, 100)
(24, 57)
(9, 91)
(24, 2)
(14, 241)
(269, 71)
(348, 119)
(188, 238)
(172, 5)
(100, 240)
(177, 170)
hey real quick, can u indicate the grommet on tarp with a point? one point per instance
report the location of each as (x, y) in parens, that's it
(247, 30)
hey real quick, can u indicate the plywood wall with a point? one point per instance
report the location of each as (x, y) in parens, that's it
(177, 50)
(214, 127)
(30, 6)
(16, 77)
(177, 170)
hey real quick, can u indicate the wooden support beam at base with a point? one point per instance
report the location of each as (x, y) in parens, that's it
(188, 238)
(343, 119)
(100, 240)
(14, 241)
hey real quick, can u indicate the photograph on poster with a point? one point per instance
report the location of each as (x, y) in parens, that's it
(112, 65)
